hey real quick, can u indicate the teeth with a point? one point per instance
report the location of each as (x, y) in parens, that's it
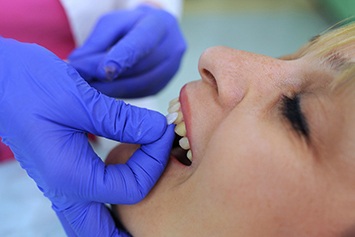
(174, 101)
(184, 143)
(180, 129)
(179, 118)
(175, 116)
(171, 118)
(189, 155)
(174, 108)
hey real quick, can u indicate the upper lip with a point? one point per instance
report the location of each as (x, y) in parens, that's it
(185, 109)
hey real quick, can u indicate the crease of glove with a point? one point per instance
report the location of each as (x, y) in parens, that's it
(129, 44)
(47, 110)
(71, 220)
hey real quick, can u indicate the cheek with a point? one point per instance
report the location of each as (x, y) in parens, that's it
(204, 115)
(252, 174)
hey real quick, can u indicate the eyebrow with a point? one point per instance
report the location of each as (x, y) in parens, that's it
(336, 60)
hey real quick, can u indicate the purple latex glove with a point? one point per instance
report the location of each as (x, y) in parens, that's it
(46, 111)
(131, 53)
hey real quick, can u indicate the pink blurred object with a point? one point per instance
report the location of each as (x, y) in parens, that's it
(43, 22)
(5, 153)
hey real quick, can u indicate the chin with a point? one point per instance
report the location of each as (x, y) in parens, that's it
(149, 215)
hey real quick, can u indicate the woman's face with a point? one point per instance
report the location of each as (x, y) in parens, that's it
(271, 153)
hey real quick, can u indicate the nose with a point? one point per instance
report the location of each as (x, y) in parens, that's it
(235, 73)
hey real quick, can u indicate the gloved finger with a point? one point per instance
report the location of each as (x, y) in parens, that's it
(136, 44)
(65, 224)
(86, 66)
(167, 55)
(154, 59)
(163, 52)
(90, 179)
(148, 83)
(129, 183)
(89, 219)
(108, 30)
(111, 118)
(169, 50)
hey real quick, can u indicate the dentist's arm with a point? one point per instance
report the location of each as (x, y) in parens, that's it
(46, 110)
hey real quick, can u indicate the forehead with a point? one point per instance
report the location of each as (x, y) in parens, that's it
(336, 47)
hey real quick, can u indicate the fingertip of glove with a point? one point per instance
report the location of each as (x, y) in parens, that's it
(75, 54)
(170, 131)
(159, 124)
(111, 70)
(167, 132)
(168, 135)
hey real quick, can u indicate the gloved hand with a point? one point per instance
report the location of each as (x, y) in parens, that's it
(131, 53)
(46, 108)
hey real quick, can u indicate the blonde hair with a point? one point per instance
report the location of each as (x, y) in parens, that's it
(336, 47)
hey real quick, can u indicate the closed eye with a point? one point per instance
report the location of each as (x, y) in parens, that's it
(291, 110)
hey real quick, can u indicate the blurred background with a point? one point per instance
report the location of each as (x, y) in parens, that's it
(269, 27)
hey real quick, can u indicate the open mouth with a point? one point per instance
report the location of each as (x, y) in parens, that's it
(179, 153)
(181, 146)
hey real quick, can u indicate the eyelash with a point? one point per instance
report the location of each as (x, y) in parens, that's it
(291, 110)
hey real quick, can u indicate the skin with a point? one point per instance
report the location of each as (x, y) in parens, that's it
(253, 174)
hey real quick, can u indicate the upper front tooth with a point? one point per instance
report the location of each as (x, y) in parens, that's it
(171, 118)
(174, 101)
(179, 118)
(174, 108)
(180, 129)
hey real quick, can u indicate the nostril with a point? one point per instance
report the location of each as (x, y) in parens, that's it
(210, 78)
